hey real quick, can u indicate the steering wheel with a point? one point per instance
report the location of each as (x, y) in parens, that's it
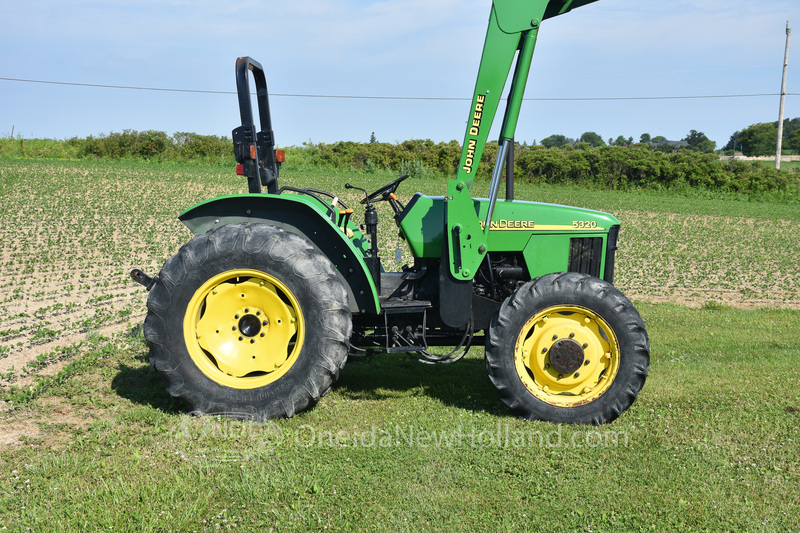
(385, 191)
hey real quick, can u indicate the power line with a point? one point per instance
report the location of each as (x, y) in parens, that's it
(116, 86)
(429, 98)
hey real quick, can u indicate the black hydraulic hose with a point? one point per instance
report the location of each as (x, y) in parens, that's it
(423, 356)
(330, 195)
(311, 193)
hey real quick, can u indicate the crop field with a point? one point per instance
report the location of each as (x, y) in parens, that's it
(717, 281)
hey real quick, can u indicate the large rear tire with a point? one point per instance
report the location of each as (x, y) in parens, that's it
(248, 321)
(568, 348)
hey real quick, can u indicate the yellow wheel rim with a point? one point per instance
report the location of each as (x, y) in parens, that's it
(567, 356)
(244, 329)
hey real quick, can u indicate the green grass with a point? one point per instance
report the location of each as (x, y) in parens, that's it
(710, 445)
(89, 438)
(785, 165)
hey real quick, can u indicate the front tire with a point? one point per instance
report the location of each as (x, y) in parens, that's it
(568, 348)
(248, 321)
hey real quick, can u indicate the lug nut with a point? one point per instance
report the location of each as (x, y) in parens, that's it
(571, 335)
(585, 345)
(577, 374)
(236, 317)
(555, 337)
(246, 310)
(241, 338)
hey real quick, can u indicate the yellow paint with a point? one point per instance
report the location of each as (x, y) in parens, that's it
(530, 225)
(601, 355)
(244, 329)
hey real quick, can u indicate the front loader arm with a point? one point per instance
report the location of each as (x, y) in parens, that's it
(513, 28)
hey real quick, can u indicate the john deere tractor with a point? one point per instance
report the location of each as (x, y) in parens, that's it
(257, 314)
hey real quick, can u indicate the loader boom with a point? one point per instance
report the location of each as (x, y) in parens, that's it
(513, 28)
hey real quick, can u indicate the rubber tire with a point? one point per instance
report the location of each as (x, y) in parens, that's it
(300, 267)
(569, 289)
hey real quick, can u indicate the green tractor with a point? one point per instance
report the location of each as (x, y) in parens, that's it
(257, 314)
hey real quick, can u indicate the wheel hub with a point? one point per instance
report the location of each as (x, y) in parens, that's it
(566, 356)
(250, 325)
(247, 325)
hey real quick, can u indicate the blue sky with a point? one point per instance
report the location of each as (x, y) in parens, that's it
(393, 48)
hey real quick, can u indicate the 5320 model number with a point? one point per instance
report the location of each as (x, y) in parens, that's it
(584, 224)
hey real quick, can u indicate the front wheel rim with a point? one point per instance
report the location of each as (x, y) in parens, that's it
(244, 329)
(567, 356)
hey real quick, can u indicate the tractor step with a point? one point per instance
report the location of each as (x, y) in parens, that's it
(405, 322)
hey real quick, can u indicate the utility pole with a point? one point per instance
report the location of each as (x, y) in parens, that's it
(783, 97)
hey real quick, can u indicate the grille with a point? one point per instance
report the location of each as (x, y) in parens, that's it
(586, 255)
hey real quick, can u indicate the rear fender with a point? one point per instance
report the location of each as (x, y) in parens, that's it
(302, 216)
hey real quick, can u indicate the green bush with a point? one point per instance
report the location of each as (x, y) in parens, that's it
(128, 144)
(192, 146)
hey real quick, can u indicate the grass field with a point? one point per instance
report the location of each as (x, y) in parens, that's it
(90, 439)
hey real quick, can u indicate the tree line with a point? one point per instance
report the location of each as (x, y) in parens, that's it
(755, 140)
(695, 141)
(605, 166)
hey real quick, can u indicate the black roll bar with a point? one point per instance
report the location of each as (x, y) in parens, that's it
(255, 148)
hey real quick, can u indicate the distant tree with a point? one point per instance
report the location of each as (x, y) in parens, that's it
(733, 142)
(794, 141)
(759, 139)
(621, 141)
(592, 138)
(372, 138)
(644, 138)
(556, 141)
(698, 142)
(658, 139)
(790, 125)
